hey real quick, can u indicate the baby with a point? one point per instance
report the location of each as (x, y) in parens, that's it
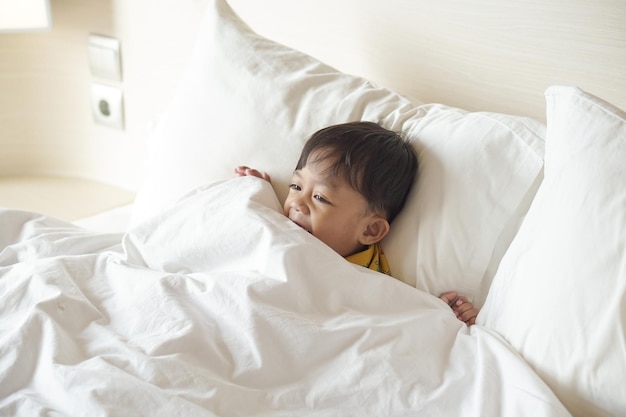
(349, 184)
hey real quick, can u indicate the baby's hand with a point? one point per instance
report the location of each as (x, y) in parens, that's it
(462, 307)
(243, 171)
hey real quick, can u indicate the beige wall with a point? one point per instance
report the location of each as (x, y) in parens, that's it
(46, 125)
(44, 79)
(479, 55)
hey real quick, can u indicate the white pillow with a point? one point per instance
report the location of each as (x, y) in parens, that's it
(247, 100)
(559, 296)
(475, 171)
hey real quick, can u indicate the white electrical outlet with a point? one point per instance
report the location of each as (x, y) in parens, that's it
(107, 105)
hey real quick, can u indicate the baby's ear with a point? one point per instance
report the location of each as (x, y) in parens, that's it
(376, 230)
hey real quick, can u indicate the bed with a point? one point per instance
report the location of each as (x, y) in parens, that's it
(206, 301)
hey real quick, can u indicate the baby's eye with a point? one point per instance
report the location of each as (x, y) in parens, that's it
(320, 199)
(294, 187)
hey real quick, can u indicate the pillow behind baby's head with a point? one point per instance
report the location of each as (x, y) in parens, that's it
(245, 100)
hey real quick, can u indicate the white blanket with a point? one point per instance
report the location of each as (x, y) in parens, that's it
(223, 307)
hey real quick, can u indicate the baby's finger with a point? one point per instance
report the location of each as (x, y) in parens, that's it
(469, 316)
(462, 299)
(462, 307)
(448, 297)
(250, 172)
(256, 173)
(241, 170)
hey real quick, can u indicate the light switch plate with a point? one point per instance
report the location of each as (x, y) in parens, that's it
(107, 105)
(104, 57)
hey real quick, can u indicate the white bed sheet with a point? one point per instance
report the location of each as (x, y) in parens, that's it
(113, 220)
(223, 307)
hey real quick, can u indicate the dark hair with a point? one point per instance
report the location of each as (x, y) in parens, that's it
(377, 163)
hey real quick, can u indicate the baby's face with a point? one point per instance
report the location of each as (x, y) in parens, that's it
(328, 208)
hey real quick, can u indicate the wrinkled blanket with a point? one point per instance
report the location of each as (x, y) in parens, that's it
(223, 307)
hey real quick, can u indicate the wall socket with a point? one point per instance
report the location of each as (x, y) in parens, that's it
(107, 105)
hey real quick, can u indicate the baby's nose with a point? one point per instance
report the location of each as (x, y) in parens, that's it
(300, 204)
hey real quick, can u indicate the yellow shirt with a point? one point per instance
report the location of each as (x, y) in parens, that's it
(373, 258)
